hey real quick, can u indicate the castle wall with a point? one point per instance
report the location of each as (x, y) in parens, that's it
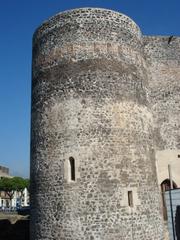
(4, 171)
(164, 158)
(163, 64)
(89, 105)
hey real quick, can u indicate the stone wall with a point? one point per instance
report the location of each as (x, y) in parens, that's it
(90, 105)
(4, 171)
(163, 61)
(14, 231)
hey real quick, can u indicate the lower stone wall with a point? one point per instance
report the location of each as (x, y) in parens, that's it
(16, 231)
(20, 230)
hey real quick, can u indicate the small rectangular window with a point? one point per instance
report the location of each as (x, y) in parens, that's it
(72, 168)
(130, 198)
(178, 155)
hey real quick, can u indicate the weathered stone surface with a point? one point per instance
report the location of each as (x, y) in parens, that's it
(163, 66)
(90, 103)
(163, 61)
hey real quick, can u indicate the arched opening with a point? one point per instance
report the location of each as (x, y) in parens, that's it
(72, 169)
(165, 186)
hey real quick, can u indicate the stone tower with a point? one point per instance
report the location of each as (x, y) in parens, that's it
(93, 174)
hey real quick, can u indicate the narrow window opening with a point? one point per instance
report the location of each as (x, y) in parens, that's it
(130, 198)
(178, 155)
(72, 168)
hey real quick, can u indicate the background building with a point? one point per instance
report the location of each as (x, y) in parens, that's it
(20, 199)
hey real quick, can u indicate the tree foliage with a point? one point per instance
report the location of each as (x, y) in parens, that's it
(19, 184)
(7, 186)
(10, 185)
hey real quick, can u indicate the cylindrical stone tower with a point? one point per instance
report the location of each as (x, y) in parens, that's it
(93, 174)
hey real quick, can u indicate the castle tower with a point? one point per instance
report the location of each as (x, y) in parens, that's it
(163, 59)
(93, 174)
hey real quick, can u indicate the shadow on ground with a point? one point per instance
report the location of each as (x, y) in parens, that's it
(16, 231)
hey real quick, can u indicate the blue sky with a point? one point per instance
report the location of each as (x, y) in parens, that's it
(18, 20)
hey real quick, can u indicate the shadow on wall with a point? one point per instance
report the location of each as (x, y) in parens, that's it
(17, 231)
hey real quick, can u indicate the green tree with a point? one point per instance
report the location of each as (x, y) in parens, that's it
(20, 183)
(7, 186)
(10, 185)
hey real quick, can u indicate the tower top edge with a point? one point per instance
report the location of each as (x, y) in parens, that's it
(88, 12)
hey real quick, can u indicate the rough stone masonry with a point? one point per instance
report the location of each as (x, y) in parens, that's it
(99, 91)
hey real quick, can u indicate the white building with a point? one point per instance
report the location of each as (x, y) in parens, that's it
(19, 199)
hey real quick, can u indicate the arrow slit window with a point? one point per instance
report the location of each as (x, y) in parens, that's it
(72, 169)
